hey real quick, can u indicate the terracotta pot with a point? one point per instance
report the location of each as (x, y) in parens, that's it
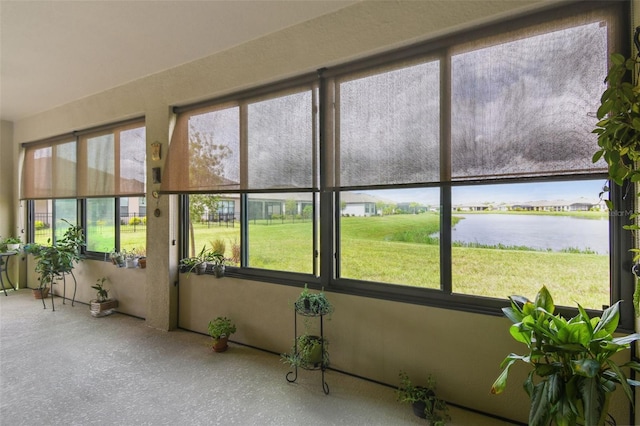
(142, 262)
(40, 293)
(220, 345)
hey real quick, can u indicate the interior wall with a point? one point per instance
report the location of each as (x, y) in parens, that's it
(7, 179)
(369, 337)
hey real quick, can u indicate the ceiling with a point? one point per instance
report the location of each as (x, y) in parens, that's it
(54, 52)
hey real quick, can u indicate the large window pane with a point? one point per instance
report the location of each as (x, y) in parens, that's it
(214, 150)
(280, 232)
(132, 161)
(281, 142)
(391, 236)
(50, 217)
(43, 221)
(101, 226)
(67, 210)
(389, 130)
(100, 165)
(514, 238)
(133, 224)
(215, 224)
(518, 109)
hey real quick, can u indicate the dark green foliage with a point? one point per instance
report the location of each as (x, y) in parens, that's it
(221, 327)
(619, 127)
(53, 260)
(436, 410)
(308, 352)
(102, 293)
(309, 303)
(572, 373)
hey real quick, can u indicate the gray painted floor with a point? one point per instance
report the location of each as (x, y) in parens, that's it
(69, 368)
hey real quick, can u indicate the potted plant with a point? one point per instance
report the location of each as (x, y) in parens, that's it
(217, 263)
(220, 329)
(142, 258)
(10, 244)
(571, 361)
(308, 352)
(131, 259)
(102, 305)
(618, 131)
(118, 258)
(423, 400)
(313, 304)
(198, 262)
(52, 261)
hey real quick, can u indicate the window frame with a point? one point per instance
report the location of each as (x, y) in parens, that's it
(79, 139)
(620, 258)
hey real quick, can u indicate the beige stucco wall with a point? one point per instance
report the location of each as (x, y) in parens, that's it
(369, 337)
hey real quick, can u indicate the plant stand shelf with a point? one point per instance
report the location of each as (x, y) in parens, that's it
(292, 375)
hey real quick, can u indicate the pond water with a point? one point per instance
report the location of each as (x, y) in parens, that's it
(535, 231)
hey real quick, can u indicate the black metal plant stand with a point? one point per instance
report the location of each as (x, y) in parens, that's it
(292, 376)
(64, 289)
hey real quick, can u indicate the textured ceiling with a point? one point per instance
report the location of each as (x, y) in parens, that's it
(53, 52)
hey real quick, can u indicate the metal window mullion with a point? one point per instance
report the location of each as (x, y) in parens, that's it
(328, 230)
(445, 174)
(243, 110)
(116, 228)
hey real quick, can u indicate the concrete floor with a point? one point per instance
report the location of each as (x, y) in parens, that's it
(69, 368)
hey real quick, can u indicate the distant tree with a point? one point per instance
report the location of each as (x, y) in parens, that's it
(207, 168)
(199, 204)
(307, 212)
(291, 207)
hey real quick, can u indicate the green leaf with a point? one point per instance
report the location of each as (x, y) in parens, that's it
(544, 300)
(540, 413)
(592, 400)
(597, 156)
(609, 319)
(604, 109)
(515, 315)
(520, 335)
(585, 367)
(621, 378)
(625, 340)
(501, 382)
(617, 59)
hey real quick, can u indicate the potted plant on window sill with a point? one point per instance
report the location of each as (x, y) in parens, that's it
(220, 329)
(197, 263)
(102, 305)
(571, 361)
(217, 263)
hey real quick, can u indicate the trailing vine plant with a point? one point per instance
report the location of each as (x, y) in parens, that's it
(618, 131)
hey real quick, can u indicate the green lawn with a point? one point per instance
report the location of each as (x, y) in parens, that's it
(400, 250)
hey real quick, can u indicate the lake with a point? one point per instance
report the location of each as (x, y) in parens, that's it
(536, 231)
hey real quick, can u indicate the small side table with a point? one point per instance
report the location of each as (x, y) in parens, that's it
(4, 266)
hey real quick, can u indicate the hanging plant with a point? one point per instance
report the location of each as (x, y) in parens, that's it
(618, 131)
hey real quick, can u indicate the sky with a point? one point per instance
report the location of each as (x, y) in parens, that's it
(505, 193)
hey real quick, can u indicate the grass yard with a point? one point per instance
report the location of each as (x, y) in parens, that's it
(401, 250)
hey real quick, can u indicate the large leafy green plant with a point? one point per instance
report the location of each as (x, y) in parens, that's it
(53, 260)
(619, 127)
(572, 373)
(618, 131)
